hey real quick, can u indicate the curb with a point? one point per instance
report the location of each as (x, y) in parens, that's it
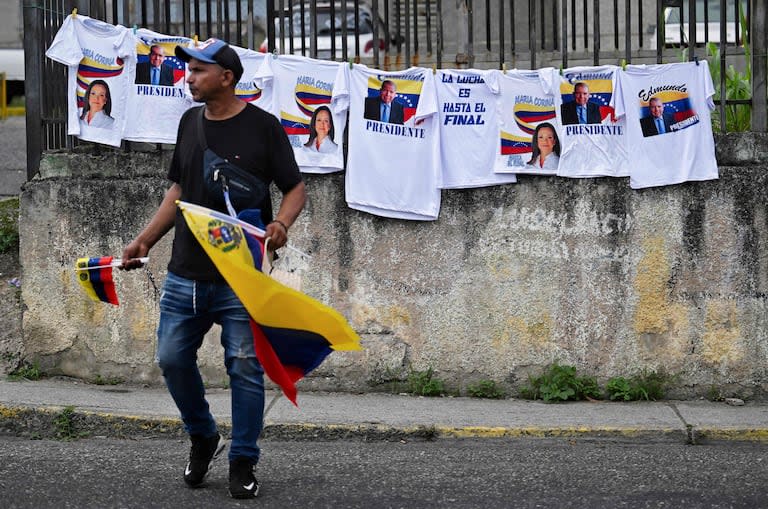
(734, 434)
(68, 423)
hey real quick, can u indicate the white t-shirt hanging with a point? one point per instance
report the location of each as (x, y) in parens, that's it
(246, 89)
(157, 99)
(528, 140)
(469, 128)
(667, 109)
(394, 145)
(301, 91)
(594, 141)
(101, 60)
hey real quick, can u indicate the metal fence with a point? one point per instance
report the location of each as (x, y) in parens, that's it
(394, 34)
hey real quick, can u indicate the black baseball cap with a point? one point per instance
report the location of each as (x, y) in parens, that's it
(213, 51)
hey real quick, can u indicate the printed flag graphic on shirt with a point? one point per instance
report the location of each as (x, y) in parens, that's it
(408, 92)
(600, 93)
(511, 144)
(309, 97)
(247, 91)
(528, 116)
(293, 124)
(89, 70)
(293, 333)
(677, 104)
(169, 48)
(95, 276)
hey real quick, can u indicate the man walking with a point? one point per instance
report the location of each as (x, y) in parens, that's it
(195, 296)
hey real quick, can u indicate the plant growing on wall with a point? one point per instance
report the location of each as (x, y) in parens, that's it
(646, 385)
(424, 383)
(738, 85)
(560, 383)
(486, 389)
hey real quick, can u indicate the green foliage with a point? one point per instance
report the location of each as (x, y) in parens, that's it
(647, 385)
(486, 389)
(589, 388)
(714, 394)
(423, 383)
(9, 224)
(26, 371)
(652, 385)
(738, 117)
(64, 425)
(620, 389)
(560, 383)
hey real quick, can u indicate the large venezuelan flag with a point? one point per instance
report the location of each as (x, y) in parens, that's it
(95, 276)
(293, 333)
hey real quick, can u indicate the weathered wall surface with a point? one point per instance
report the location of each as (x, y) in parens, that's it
(510, 278)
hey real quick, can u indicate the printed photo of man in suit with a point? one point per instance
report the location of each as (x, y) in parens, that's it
(154, 72)
(580, 110)
(657, 122)
(385, 108)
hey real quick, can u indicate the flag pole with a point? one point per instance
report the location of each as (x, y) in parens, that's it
(117, 262)
(272, 403)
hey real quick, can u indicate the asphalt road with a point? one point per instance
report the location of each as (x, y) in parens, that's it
(456, 473)
(13, 155)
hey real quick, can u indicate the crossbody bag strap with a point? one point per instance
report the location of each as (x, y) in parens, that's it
(200, 132)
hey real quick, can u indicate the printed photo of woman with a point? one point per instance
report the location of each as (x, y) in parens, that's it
(546, 148)
(321, 132)
(98, 106)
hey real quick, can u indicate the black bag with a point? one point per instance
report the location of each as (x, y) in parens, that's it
(246, 191)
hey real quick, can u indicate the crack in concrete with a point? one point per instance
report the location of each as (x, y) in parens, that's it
(690, 432)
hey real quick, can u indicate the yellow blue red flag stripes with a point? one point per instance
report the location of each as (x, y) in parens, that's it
(293, 333)
(287, 355)
(95, 276)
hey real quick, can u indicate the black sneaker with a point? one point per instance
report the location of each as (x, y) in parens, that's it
(242, 483)
(204, 450)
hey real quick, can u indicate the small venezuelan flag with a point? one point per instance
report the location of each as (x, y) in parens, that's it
(95, 276)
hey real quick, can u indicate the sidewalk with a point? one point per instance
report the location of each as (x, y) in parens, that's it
(30, 408)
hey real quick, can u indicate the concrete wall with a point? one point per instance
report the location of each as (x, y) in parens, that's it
(510, 278)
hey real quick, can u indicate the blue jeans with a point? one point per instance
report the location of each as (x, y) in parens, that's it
(188, 309)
